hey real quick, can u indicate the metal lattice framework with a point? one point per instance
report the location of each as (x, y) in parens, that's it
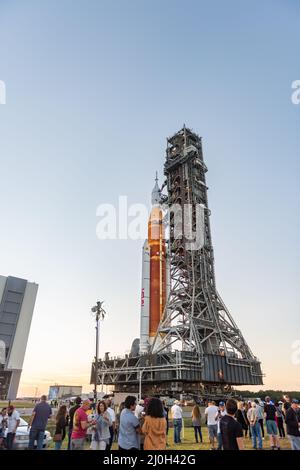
(195, 314)
(198, 346)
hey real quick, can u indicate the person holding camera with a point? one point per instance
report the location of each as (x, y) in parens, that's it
(101, 427)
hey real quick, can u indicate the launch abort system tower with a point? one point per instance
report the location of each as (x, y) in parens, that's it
(198, 348)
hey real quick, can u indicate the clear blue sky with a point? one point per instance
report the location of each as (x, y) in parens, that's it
(93, 89)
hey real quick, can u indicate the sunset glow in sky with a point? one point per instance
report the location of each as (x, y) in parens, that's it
(93, 90)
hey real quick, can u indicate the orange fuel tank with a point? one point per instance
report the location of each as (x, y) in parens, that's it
(157, 247)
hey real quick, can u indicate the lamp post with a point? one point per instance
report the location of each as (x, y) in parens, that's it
(100, 313)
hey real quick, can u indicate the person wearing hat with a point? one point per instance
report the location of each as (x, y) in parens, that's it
(176, 412)
(253, 418)
(293, 425)
(70, 419)
(80, 426)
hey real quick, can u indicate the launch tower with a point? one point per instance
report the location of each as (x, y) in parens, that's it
(197, 348)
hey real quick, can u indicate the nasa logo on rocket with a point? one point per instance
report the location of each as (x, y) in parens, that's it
(143, 297)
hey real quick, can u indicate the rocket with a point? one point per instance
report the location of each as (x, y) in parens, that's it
(154, 266)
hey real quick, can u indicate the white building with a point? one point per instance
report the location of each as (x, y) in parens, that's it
(17, 300)
(64, 391)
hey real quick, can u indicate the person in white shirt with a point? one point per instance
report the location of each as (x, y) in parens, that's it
(139, 409)
(211, 413)
(112, 427)
(13, 422)
(220, 413)
(176, 412)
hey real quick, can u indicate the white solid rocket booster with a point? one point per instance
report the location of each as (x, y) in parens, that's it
(145, 300)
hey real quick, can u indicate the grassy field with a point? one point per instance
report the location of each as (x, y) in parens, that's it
(188, 441)
(18, 404)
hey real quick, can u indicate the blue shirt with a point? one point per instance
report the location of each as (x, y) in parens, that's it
(128, 437)
(42, 414)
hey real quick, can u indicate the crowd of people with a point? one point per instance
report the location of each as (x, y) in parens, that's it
(144, 425)
(229, 424)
